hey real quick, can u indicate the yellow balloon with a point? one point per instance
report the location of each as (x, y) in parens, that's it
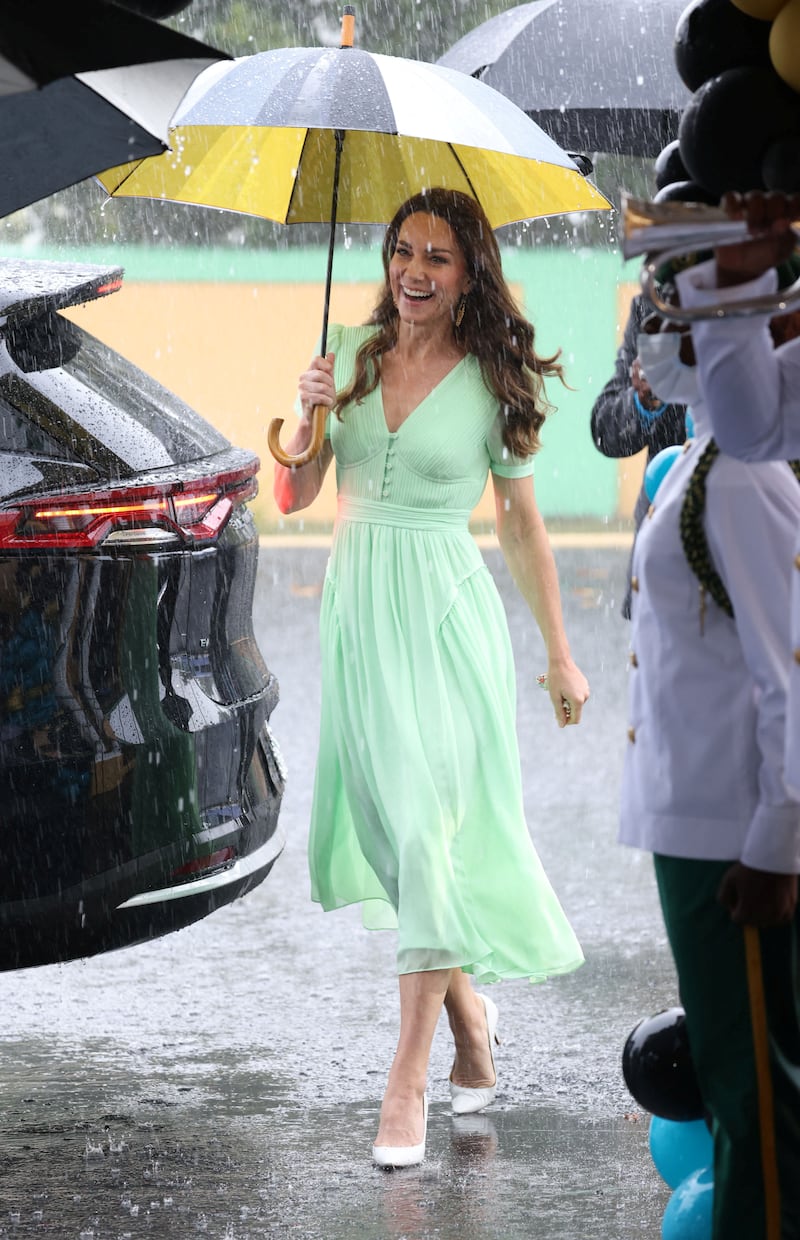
(784, 44)
(764, 10)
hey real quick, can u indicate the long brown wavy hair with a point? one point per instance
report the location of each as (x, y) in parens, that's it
(492, 328)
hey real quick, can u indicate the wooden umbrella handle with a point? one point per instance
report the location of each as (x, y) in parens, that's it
(318, 418)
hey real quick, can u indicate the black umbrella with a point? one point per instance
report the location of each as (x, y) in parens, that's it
(597, 75)
(83, 87)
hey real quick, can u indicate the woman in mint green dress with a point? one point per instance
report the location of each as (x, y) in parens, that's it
(418, 810)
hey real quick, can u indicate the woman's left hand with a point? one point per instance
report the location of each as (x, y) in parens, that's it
(569, 691)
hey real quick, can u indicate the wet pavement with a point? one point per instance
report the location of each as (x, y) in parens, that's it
(224, 1081)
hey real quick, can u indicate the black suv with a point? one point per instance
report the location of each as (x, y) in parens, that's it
(139, 782)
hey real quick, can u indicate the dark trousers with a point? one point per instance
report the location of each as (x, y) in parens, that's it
(742, 1000)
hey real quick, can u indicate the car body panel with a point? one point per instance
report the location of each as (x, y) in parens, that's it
(140, 785)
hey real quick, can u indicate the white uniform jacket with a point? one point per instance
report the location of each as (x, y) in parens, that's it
(752, 397)
(703, 774)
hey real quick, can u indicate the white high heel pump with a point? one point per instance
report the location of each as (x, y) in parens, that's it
(464, 1099)
(403, 1155)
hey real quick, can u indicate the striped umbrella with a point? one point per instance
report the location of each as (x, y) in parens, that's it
(302, 135)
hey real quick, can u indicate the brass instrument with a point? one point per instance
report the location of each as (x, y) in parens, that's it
(670, 230)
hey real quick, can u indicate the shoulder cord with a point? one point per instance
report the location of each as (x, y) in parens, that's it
(693, 538)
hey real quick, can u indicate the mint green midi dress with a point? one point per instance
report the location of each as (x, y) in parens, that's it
(417, 811)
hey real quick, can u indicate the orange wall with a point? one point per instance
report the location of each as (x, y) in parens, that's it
(217, 347)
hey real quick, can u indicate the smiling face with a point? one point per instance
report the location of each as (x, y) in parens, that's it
(427, 272)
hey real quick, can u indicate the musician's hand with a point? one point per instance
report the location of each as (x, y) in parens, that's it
(758, 897)
(769, 220)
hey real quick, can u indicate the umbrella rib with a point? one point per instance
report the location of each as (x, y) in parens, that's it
(472, 189)
(131, 171)
(297, 177)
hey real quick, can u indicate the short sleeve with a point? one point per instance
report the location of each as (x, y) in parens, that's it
(334, 334)
(503, 462)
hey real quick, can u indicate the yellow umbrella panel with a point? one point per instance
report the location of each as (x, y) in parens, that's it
(286, 175)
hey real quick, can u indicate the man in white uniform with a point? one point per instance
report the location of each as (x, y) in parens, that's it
(704, 789)
(752, 388)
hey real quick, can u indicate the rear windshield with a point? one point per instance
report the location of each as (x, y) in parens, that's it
(81, 401)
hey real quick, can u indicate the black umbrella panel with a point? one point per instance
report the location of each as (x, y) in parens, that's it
(79, 95)
(597, 75)
(42, 40)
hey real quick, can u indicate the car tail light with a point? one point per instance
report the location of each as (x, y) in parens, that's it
(205, 865)
(195, 511)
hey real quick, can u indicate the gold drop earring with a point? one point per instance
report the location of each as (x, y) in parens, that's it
(462, 305)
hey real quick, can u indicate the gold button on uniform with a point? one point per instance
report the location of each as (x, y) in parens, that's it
(797, 561)
(632, 659)
(631, 735)
(797, 655)
(635, 583)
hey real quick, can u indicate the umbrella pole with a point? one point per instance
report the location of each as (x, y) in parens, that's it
(320, 413)
(338, 135)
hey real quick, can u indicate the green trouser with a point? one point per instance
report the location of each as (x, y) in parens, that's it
(743, 1021)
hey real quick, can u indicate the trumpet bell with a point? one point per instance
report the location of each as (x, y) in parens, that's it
(652, 227)
(664, 231)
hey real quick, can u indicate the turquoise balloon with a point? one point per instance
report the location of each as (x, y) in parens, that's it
(679, 1147)
(689, 1209)
(658, 468)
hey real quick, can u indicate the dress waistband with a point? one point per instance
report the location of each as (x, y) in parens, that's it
(376, 512)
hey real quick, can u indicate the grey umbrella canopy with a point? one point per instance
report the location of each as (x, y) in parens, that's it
(84, 87)
(597, 75)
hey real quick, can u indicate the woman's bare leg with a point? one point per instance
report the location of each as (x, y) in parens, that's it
(472, 1067)
(421, 998)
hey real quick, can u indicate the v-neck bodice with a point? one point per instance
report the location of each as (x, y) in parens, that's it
(421, 403)
(441, 454)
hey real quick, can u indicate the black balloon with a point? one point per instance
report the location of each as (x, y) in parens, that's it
(669, 166)
(658, 1069)
(715, 35)
(685, 191)
(729, 123)
(780, 168)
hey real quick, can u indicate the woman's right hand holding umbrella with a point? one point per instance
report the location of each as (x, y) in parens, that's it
(316, 386)
(298, 482)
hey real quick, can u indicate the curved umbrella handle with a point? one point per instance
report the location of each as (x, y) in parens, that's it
(310, 453)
